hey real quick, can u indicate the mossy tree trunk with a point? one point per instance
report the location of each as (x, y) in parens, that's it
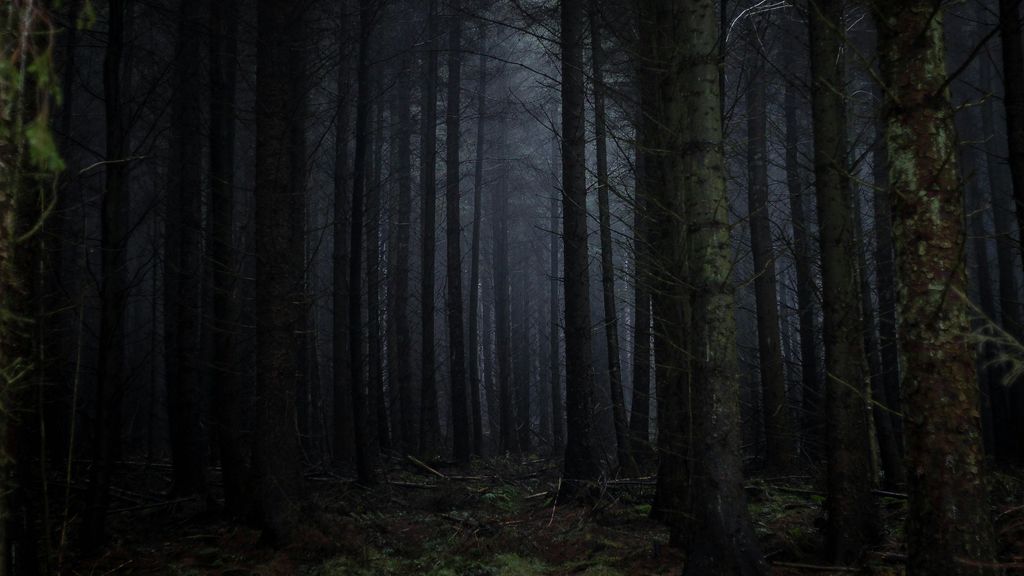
(949, 530)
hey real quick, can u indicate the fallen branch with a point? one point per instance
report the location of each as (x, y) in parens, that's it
(815, 567)
(426, 467)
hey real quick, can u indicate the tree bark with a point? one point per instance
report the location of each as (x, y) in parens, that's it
(183, 264)
(276, 451)
(228, 406)
(429, 428)
(579, 464)
(453, 209)
(365, 436)
(114, 288)
(611, 321)
(554, 315)
(948, 530)
(780, 439)
(474, 275)
(500, 283)
(850, 517)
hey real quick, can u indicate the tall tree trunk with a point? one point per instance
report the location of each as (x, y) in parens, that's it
(780, 440)
(948, 530)
(888, 446)
(1006, 427)
(521, 356)
(722, 539)
(1010, 23)
(886, 279)
(555, 356)
(430, 433)
(500, 284)
(399, 336)
(344, 434)
(183, 264)
(611, 321)
(375, 347)
(114, 231)
(850, 516)
(474, 275)
(579, 464)
(811, 422)
(228, 405)
(365, 435)
(640, 410)
(453, 209)
(276, 450)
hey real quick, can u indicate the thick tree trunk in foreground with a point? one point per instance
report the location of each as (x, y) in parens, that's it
(429, 428)
(780, 440)
(228, 404)
(580, 464)
(453, 209)
(949, 530)
(506, 439)
(849, 474)
(276, 451)
(722, 539)
(611, 320)
(183, 264)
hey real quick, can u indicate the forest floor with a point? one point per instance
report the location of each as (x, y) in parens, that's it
(496, 518)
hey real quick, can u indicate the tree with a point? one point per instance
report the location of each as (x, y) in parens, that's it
(365, 435)
(500, 284)
(721, 538)
(780, 439)
(453, 208)
(430, 433)
(811, 422)
(226, 393)
(113, 285)
(554, 313)
(183, 263)
(579, 465)
(948, 530)
(276, 451)
(849, 472)
(474, 275)
(611, 321)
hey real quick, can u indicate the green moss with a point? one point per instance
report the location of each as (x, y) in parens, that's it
(515, 565)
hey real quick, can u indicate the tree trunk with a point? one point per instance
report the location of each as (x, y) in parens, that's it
(453, 209)
(276, 451)
(948, 530)
(780, 440)
(430, 433)
(639, 418)
(611, 321)
(183, 264)
(500, 283)
(474, 275)
(228, 405)
(365, 435)
(811, 422)
(849, 509)
(399, 337)
(579, 464)
(344, 433)
(1007, 439)
(521, 356)
(114, 288)
(374, 314)
(555, 369)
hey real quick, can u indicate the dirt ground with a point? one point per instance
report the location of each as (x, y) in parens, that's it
(497, 518)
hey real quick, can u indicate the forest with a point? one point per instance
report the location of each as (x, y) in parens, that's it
(511, 287)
